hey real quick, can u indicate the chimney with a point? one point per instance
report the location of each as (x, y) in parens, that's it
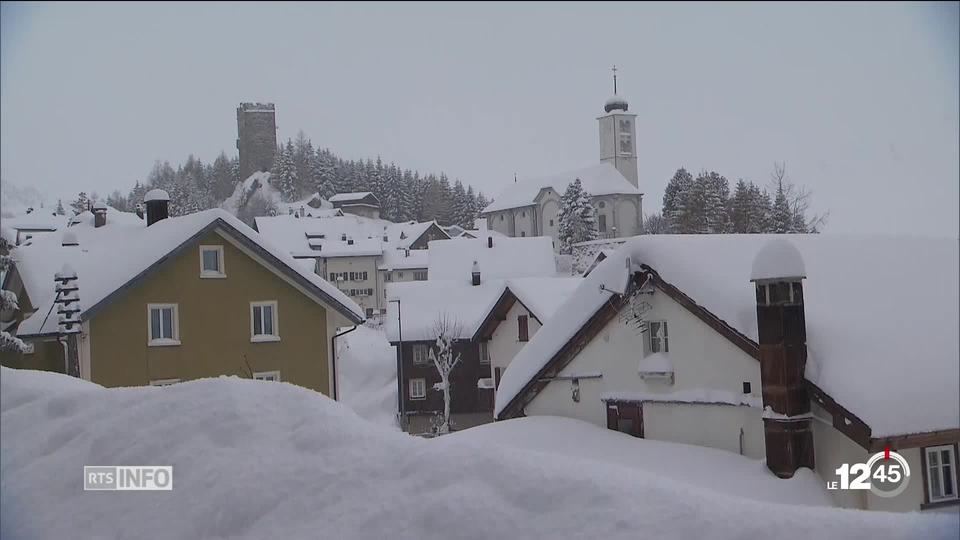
(778, 273)
(157, 202)
(350, 241)
(475, 274)
(99, 214)
(489, 241)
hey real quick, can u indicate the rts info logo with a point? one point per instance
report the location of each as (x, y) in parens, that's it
(885, 474)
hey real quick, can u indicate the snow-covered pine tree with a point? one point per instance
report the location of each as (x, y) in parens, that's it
(303, 162)
(284, 173)
(459, 206)
(780, 218)
(473, 208)
(221, 178)
(60, 211)
(676, 201)
(739, 208)
(578, 219)
(716, 192)
(323, 173)
(8, 302)
(81, 204)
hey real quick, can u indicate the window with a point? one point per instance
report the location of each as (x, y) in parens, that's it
(659, 338)
(625, 127)
(551, 223)
(420, 275)
(418, 389)
(163, 323)
(522, 328)
(941, 473)
(746, 387)
(273, 376)
(523, 233)
(400, 275)
(369, 312)
(420, 354)
(389, 276)
(353, 276)
(501, 217)
(524, 214)
(602, 204)
(603, 223)
(484, 352)
(164, 382)
(211, 262)
(333, 276)
(263, 321)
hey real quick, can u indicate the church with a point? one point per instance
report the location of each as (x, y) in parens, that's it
(531, 207)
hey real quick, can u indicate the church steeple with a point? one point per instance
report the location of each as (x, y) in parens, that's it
(618, 135)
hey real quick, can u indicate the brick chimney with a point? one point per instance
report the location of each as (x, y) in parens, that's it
(158, 203)
(475, 274)
(778, 274)
(99, 214)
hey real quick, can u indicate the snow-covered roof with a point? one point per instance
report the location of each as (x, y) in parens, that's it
(423, 302)
(108, 257)
(509, 257)
(600, 179)
(354, 196)
(302, 236)
(404, 259)
(899, 374)
(38, 220)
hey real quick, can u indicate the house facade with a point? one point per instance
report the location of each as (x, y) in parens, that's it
(200, 296)
(363, 203)
(663, 351)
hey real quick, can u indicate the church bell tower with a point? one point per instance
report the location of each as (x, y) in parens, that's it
(618, 141)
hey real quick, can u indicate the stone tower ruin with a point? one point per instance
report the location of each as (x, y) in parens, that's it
(256, 137)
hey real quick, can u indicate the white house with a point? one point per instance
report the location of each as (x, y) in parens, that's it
(847, 351)
(498, 292)
(530, 207)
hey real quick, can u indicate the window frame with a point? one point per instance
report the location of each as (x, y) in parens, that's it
(257, 376)
(426, 353)
(174, 323)
(928, 484)
(483, 351)
(414, 383)
(208, 274)
(665, 345)
(275, 320)
(420, 275)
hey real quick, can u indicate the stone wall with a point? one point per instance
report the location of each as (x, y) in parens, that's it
(257, 137)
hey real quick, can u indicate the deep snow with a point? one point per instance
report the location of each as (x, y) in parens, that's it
(367, 368)
(253, 459)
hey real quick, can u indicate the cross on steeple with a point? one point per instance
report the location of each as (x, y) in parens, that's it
(614, 79)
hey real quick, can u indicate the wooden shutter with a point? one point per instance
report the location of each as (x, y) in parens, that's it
(522, 330)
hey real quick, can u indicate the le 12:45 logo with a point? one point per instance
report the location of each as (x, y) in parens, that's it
(885, 474)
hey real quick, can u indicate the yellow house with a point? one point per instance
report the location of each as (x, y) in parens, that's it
(173, 299)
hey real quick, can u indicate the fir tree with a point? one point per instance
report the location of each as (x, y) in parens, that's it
(781, 220)
(60, 211)
(81, 204)
(676, 202)
(284, 173)
(578, 220)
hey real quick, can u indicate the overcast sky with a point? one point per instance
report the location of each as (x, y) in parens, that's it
(859, 100)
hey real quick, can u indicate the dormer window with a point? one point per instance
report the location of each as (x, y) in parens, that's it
(211, 262)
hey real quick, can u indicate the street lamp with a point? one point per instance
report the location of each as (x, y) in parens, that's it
(400, 399)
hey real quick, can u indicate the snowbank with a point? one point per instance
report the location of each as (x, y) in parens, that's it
(367, 369)
(717, 470)
(253, 459)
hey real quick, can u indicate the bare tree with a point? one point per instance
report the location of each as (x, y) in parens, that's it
(447, 329)
(798, 200)
(655, 224)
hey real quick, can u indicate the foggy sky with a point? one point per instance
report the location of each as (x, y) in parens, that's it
(860, 101)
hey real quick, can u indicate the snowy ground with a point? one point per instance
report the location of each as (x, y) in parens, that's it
(719, 470)
(253, 459)
(368, 375)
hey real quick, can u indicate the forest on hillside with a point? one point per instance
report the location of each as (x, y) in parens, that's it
(300, 171)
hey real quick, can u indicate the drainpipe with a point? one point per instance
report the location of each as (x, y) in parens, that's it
(66, 355)
(333, 359)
